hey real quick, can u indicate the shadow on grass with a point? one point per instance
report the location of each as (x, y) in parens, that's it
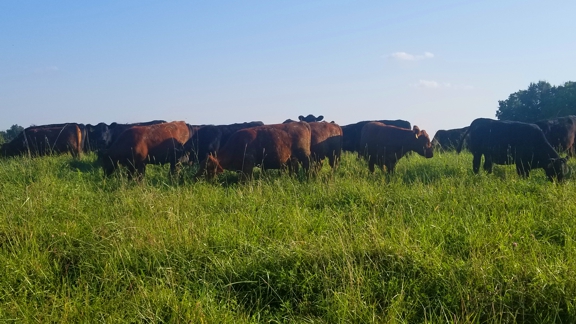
(83, 166)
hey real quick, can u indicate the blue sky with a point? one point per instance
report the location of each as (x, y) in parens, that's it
(437, 64)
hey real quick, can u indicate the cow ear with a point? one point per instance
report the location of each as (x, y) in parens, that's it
(301, 118)
(319, 118)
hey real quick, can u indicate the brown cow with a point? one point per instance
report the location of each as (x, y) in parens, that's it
(326, 142)
(270, 146)
(384, 145)
(141, 145)
(41, 140)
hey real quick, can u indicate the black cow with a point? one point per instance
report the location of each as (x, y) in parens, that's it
(101, 136)
(560, 132)
(352, 133)
(508, 142)
(210, 138)
(448, 139)
(309, 119)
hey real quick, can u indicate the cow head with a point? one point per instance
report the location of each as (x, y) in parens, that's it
(557, 168)
(423, 144)
(311, 118)
(209, 167)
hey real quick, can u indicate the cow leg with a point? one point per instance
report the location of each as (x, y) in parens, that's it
(371, 164)
(390, 165)
(174, 169)
(319, 165)
(247, 169)
(305, 160)
(333, 159)
(476, 163)
(487, 164)
(135, 170)
(293, 166)
(521, 170)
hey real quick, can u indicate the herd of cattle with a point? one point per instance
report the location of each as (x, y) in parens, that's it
(307, 142)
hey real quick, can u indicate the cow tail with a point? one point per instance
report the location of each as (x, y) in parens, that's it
(462, 139)
(79, 139)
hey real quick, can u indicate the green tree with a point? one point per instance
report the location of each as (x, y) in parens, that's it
(540, 101)
(526, 105)
(12, 132)
(2, 141)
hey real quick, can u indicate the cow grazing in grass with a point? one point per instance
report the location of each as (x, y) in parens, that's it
(270, 146)
(384, 145)
(351, 133)
(208, 139)
(141, 145)
(560, 132)
(309, 119)
(45, 140)
(509, 142)
(448, 139)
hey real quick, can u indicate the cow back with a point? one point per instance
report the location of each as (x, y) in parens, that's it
(378, 139)
(326, 140)
(352, 133)
(270, 145)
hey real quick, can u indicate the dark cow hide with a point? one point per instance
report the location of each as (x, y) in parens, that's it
(326, 142)
(448, 139)
(510, 142)
(208, 139)
(384, 145)
(101, 136)
(352, 132)
(141, 145)
(276, 146)
(560, 132)
(44, 140)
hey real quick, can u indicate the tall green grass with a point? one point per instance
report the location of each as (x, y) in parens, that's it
(431, 243)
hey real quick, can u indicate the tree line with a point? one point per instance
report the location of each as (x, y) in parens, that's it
(540, 101)
(10, 133)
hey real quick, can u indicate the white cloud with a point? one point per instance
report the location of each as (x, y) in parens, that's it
(403, 56)
(431, 84)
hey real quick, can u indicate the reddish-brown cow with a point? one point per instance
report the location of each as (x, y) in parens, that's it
(141, 145)
(326, 142)
(384, 145)
(38, 141)
(270, 146)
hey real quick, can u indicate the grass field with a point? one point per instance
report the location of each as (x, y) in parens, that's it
(432, 243)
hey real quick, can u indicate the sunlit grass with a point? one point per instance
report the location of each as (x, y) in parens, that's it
(431, 243)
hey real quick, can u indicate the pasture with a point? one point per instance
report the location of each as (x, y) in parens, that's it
(431, 243)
